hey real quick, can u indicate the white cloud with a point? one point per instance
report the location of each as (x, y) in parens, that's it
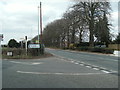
(115, 15)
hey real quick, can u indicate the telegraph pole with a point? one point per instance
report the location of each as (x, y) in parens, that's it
(38, 28)
(41, 22)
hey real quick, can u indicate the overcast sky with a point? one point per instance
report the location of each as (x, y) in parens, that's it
(19, 18)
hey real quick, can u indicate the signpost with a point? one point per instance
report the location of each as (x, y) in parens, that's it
(9, 53)
(34, 46)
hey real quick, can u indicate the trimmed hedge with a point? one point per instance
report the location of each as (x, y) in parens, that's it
(35, 51)
(82, 44)
(19, 51)
(15, 51)
(95, 49)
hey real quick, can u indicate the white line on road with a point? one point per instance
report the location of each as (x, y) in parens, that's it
(102, 68)
(76, 63)
(105, 71)
(47, 73)
(37, 63)
(72, 61)
(88, 67)
(95, 68)
(30, 63)
(82, 64)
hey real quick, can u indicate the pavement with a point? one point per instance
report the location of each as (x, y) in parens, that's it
(65, 69)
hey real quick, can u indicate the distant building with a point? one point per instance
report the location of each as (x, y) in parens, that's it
(1, 37)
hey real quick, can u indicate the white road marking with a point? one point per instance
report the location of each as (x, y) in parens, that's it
(105, 71)
(27, 63)
(113, 71)
(72, 61)
(95, 68)
(88, 67)
(47, 73)
(76, 63)
(82, 64)
(36, 63)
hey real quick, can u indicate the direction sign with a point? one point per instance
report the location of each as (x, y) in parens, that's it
(33, 46)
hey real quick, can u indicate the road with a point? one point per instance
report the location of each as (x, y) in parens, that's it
(99, 60)
(67, 69)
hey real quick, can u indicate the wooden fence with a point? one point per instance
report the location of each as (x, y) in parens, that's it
(114, 46)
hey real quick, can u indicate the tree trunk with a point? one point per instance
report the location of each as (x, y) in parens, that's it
(68, 40)
(91, 28)
(73, 36)
(80, 35)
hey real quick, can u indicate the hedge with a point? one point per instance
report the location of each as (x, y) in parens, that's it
(96, 49)
(19, 51)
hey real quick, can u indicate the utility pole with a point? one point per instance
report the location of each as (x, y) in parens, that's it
(41, 22)
(38, 27)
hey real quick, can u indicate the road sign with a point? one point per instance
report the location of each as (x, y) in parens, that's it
(36, 41)
(9, 53)
(33, 46)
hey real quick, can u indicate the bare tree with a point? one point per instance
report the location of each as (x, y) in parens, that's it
(91, 12)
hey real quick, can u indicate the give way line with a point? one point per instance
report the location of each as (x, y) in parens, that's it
(30, 63)
(48, 73)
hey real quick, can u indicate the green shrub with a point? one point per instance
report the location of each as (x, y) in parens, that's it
(82, 48)
(82, 44)
(71, 46)
(103, 50)
(94, 49)
(109, 51)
